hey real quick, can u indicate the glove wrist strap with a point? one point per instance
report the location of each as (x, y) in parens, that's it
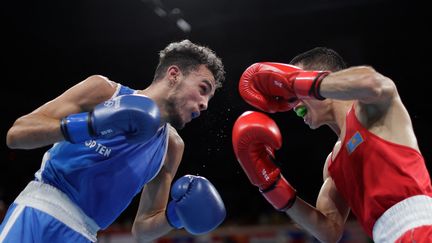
(281, 195)
(307, 84)
(75, 127)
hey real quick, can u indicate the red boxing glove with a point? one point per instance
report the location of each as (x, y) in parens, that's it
(255, 137)
(275, 87)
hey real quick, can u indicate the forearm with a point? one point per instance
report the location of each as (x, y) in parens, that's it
(356, 83)
(316, 223)
(34, 131)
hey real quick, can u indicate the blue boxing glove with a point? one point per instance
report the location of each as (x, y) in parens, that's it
(135, 116)
(196, 205)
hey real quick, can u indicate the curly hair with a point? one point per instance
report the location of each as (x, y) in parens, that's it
(188, 57)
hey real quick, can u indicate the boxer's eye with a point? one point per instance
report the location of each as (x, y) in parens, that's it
(292, 100)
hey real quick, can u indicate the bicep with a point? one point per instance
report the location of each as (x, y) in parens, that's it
(329, 201)
(331, 204)
(155, 193)
(175, 151)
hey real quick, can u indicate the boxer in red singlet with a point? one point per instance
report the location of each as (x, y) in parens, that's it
(376, 169)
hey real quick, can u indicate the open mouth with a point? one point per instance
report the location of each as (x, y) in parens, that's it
(301, 111)
(194, 115)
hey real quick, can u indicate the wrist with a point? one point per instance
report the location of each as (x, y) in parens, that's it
(281, 194)
(75, 128)
(307, 84)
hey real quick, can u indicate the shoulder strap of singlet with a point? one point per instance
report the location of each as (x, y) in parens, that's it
(123, 90)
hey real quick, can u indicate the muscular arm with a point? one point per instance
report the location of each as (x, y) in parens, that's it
(42, 126)
(379, 107)
(361, 83)
(150, 221)
(325, 221)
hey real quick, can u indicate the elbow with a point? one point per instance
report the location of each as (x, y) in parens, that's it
(16, 138)
(137, 234)
(15, 135)
(333, 232)
(335, 237)
(338, 231)
(12, 140)
(140, 234)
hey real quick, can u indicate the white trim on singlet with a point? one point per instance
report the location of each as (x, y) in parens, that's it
(165, 152)
(408, 214)
(52, 201)
(118, 88)
(45, 158)
(11, 221)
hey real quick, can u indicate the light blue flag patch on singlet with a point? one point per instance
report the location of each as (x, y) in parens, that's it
(354, 142)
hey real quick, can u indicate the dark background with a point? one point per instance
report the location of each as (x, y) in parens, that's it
(49, 46)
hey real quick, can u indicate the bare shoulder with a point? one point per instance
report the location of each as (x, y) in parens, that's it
(175, 141)
(98, 80)
(99, 86)
(326, 165)
(89, 92)
(174, 153)
(81, 97)
(331, 156)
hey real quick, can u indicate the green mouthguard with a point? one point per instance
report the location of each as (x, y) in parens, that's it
(301, 111)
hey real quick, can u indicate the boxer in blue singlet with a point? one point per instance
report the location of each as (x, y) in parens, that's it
(110, 143)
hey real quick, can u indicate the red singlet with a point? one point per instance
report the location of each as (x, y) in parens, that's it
(373, 174)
